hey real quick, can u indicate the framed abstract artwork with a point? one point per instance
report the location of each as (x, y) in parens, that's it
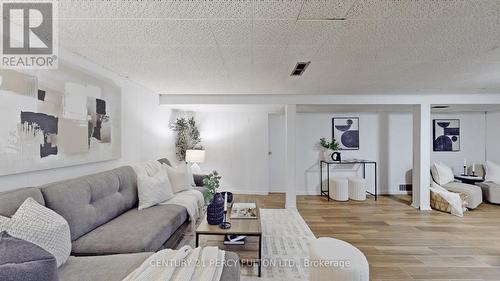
(346, 132)
(60, 118)
(446, 135)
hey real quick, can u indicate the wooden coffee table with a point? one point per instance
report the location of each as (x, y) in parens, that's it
(245, 227)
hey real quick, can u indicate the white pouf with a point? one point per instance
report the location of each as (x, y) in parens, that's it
(333, 259)
(357, 189)
(339, 189)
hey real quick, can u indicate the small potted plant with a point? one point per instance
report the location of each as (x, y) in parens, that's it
(215, 201)
(328, 148)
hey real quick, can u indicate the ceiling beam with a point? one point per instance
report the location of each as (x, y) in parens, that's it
(403, 99)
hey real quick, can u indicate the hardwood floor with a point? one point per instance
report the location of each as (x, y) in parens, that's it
(402, 243)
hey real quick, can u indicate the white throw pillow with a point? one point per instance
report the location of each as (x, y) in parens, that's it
(442, 174)
(43, 227)
(179, 177)
(149, 168)
(153, 190)
(437, 187)
(492, 172)
(3, 223)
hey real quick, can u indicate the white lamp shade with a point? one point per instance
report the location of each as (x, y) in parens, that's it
(195, 156)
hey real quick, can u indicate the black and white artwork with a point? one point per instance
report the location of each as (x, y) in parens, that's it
(446, 135)
(346, 132)
(56, 119)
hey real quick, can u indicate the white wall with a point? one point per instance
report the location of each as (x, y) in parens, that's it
(493, 137)
(145, 133)
(472, 141)
(384, 137)
(400, 152)
(387, 139)
(236, 144)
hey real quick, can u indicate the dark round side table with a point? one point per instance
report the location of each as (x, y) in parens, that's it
(469, 179)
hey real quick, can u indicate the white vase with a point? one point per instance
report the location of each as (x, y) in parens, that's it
(327, 155)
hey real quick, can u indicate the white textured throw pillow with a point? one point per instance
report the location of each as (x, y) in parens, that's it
(492, 172)
(442, 174)
(43, 227)
(179, 177)
(153, 190)
(3, 223)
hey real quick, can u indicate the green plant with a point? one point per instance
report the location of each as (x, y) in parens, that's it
(188, 136)
(212, 183)
(333, 145)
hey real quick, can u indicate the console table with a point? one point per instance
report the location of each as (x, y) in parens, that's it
(326, 192)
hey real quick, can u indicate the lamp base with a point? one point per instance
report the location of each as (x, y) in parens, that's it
(195, 168)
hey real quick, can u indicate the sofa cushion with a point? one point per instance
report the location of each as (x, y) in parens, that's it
(101, 268)
(474, 193)
(11, 200)
(90, 201)
(231, 271)
(134, 231)
(117, 267)
(202, 189)
(22, 260)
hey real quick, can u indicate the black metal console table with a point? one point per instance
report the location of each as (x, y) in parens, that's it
(344, 162)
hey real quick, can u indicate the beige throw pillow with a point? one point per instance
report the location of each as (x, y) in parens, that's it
(179, 177)
(492, 172)
(441, 173)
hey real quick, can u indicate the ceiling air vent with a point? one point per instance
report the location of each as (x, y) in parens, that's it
(440, 106)
(300, 68)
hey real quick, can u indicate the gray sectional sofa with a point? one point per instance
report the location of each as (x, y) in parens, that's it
(110, 236)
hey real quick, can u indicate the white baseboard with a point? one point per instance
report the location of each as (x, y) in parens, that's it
(300, 192)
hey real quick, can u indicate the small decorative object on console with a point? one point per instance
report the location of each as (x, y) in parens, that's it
(329, 149)
(336, 157)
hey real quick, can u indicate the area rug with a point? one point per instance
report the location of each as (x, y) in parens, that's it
(286, 238)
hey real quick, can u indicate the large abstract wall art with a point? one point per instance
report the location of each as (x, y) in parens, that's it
(346, 132)
(446, 135)
(57, 118)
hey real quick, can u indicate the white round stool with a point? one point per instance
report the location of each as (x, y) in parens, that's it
(357, 189)
(339, 189)
(333, 259)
